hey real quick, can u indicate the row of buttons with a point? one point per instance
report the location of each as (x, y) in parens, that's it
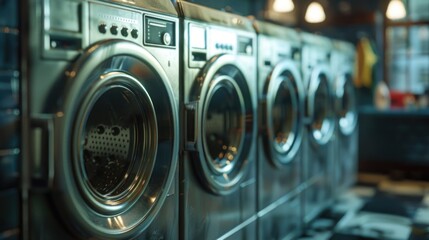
(114, 30)
(223, 46)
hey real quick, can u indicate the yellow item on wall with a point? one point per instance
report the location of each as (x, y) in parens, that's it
(365, 60)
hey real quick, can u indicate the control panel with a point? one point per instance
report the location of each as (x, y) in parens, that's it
(110, 22)
(245, 46)
(107, 22)
(159, 32)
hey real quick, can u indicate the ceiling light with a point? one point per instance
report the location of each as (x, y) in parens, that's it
(396, 10)
(315, 13)
(283, 6)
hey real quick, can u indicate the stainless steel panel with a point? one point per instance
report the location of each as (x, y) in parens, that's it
(342, 63)
(281, 219)
(319, 149)
(70, 61)
(196, 12)
(158, 6)
(279, 170)
(208, 214)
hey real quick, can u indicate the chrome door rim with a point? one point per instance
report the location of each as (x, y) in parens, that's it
(327, 128)
(283, 155)
(215, 181)
(75, 208)
(115, 204)
(346, 122)
(218, 82)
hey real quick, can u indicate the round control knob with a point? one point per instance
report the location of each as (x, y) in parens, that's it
(102, 28)
(134, 33)
(166, 39)
(114, 30)
(124, 32)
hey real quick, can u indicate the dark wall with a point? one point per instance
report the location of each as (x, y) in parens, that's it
(242, 7)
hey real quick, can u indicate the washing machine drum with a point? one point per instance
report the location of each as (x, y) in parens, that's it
(320, 106)
(283, 117)
(346, 106)
(225, 124)
(116, 141)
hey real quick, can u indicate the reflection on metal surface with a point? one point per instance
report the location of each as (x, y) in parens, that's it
(117, 141)
(347, 105)
(285, 116)
(320, 105)
(224, 123)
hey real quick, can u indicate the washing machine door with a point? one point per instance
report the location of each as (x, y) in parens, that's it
(320, 106)
(283, 115)
(115, 141)
(224, 125)
(346, 106)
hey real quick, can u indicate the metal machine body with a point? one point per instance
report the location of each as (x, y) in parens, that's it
(343, 62)
(281, 122)
(218, 174)
(320, 125)
(102, 117)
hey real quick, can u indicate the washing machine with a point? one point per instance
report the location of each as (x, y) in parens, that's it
(343, 60)
(218, 174)
(320, 124)
(103, 126)
(10, 115)
(281, 110)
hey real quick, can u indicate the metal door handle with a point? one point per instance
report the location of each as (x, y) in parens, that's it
(191, 126)
(42, 151)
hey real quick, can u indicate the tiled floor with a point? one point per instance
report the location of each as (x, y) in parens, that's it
(377, 208)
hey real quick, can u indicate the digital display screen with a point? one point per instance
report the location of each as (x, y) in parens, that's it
(197, 37)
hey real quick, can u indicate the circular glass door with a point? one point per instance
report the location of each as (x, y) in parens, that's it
(321, 109)
(283, 115)
(117, 143)
(227, 127)
(346, 104)
(223, 123)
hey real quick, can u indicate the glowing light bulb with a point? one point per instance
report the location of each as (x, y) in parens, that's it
(315, 13)
(396, 10)
(283, 6)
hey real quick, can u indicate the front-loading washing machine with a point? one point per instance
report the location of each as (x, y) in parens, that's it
(320, 124)
(218, 174)
(281, 111)
(103, 128)
(343, 59)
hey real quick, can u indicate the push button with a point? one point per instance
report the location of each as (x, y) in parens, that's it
(102, 28)
(124, 32)
(114, 30)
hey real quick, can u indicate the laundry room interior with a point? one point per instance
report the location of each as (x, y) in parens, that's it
(203, 119)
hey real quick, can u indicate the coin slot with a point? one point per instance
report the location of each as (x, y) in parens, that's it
(199, 56)
(65, 43)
